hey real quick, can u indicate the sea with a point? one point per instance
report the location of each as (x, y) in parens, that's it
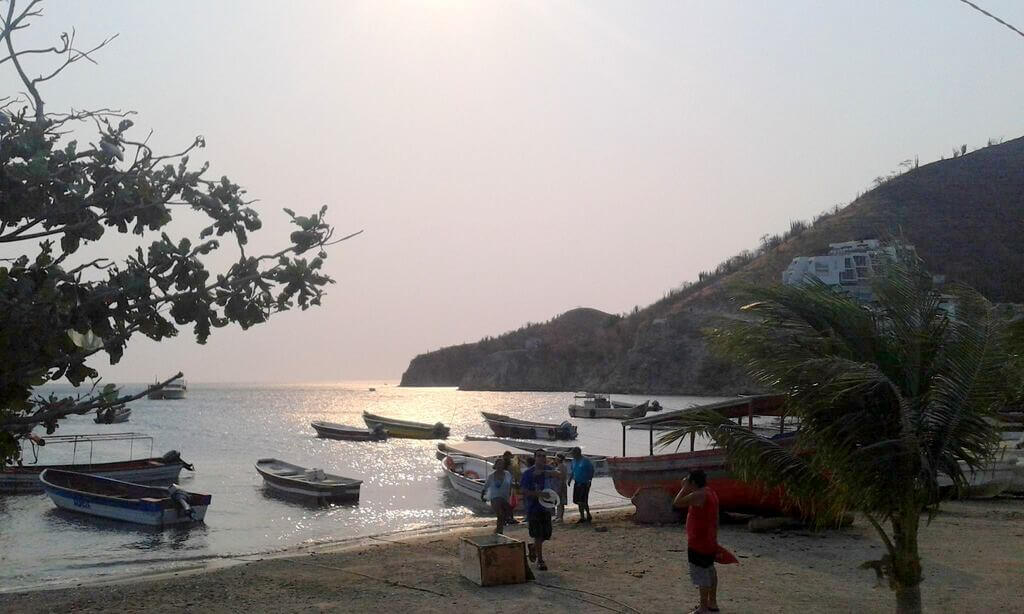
(222, 429)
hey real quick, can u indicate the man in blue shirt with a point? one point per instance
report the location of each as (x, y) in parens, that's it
(583, 474)
(531, 484)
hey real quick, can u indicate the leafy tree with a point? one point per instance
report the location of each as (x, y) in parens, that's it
(889, 397)
(58, 195)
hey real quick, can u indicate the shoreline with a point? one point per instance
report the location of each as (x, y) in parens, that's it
(971, 556)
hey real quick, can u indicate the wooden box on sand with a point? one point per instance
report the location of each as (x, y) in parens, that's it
(489, 560)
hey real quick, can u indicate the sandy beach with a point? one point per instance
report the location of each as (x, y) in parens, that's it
(973, 555)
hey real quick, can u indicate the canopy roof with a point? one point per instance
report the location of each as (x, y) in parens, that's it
(755, 405)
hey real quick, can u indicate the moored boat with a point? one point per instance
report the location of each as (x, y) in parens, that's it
(293, 480)
(126, 501)
(112, 415)
(406, 428)
(505, 426)
(332, 430)
(171, 391)
(588, 405)
(154, 470)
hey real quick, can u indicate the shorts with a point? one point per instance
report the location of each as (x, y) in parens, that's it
(539, 522)
(702, 568)
(581, 493)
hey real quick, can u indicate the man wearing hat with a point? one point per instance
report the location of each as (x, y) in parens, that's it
(532, 484)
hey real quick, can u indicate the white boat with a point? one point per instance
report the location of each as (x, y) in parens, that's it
(599, 461)
(588, 405)
(293, 480)
(156, 470)
(117, 500)
(172, 391)
(112, 415)
(467, 475)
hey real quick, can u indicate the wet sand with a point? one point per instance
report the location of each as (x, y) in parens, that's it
(973, 558)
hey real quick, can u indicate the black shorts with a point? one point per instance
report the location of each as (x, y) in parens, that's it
(581, 493)
(539, 523)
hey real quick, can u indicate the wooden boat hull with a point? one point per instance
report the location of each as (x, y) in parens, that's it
(406, 429)
(25, 479)
(666, 471)
(998, 477)
(329, 431)
(324, 492)
(615, 413)
(504, 426)
(174, 394)
(151, 506)
(455, 468)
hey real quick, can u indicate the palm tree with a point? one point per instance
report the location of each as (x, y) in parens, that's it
(888, 396)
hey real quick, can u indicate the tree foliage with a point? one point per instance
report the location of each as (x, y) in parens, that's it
(889, 398)
(59, 197)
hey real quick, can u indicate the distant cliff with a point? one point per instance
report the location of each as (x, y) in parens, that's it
(965, 216)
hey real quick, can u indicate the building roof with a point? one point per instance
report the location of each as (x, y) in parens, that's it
(758, 405)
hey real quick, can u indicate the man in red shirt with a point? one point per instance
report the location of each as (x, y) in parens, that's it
(701, 536)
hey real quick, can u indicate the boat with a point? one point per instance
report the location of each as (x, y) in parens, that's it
(467, 476)
(406, 428)
(505, 426)
(631, 474)
(373, 389)
(112, 415)
(171, 391)
(589, 405)
(118, 500)
(600, 462)
(288, 479)
(332, 430)
(156, 470)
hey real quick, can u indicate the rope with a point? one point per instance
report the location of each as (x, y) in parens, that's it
(987, 14)
(577, 590)
(362, 575)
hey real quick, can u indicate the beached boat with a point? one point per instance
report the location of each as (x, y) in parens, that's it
(467, 476)
(172, 391)
(118, 500)
(600, 462)
(293, 480)
(505, 426)
(112, 415)
(159, 470)
(630, 474)
(332, 430)
(587, 405)
(406, 428)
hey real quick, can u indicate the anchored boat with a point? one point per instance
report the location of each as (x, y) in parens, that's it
(158, 470)
(406, 428)
(118, 500)
(293, 480)
(588, 405)
(505, 426)
(112, 415)
(171, 391)
(332, 430)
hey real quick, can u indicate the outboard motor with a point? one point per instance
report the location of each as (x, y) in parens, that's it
(380, 431)
(439, 429)
(173, 456)
(565, 429)
(180, 498)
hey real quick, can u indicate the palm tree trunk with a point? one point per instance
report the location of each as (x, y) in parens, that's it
(906, 563)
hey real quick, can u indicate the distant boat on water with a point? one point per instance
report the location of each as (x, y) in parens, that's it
(506, 426)
(588, 405)
(158, 470)
(117, 500)
(293, 480)
(112, 415)
(406, 428)
(332, 430)
(171, 391)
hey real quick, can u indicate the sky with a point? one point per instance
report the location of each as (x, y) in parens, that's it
(511, 161)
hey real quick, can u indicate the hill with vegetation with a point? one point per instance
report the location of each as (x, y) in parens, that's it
(964, 215)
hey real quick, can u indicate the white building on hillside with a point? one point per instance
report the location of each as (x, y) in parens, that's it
(849, 265)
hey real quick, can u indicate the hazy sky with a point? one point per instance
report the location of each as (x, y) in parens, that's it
(511, 161)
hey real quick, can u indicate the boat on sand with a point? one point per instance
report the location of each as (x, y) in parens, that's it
(505, 426)
(599, 461)
(406, 428)
(117, 500)
(292, 480)
(333, 430)
(467, 475)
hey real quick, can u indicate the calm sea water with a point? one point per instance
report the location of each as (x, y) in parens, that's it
(223, 429)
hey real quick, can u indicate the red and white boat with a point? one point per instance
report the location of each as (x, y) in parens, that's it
(631, 474)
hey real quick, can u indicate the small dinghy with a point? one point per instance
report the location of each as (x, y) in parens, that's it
(293, 480)
(112, 415)
(332, 430)
(117, 500)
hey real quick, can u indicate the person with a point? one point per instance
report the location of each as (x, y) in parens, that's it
(701, 504)
(538, 517)
(561, 487)
(583, 474)
(498, 490)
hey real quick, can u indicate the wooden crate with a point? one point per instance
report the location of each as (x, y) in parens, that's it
(490, 560)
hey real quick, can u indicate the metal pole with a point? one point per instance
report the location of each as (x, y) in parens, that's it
(650, 438)
(623, 439)
(693, 438)
(750, 415)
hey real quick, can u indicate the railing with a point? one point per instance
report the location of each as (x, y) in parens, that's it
(74, 440)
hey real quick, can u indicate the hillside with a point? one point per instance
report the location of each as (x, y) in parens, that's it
(964, 215)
